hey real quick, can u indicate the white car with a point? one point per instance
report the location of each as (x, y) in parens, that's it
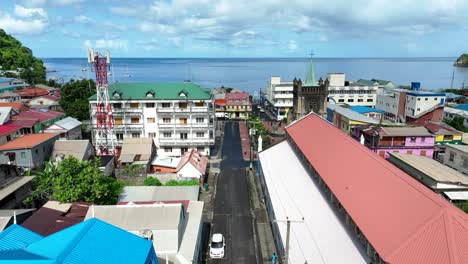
(262, 110)
(217, 246)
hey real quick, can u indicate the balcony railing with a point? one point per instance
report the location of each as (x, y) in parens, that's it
(165, 109)
(185, 142)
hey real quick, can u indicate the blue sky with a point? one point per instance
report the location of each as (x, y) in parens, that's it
(241, 28)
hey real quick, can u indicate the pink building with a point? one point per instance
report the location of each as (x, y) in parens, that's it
(385, 140)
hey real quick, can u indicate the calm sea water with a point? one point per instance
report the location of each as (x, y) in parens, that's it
(253, 74)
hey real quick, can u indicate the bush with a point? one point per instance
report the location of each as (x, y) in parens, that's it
(151, 181)
(182, 183)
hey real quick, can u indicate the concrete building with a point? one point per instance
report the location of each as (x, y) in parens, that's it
(159, 193)
(441, 179)
(31, 92)
(450, 113)
(17, 106)
(456, 156)
(9, 97)
(341, 91)
(69, 128)
(392, 217)
(346, 119)
(165, 164)
(238, 105)
(48, 101)
(279, 97)
(386, 140)
(403, 105)
(5, 114)
(368, 111)
(29, 151)
(173, 228)
(40, 118)
(177, 116)
(14, 188)
(444, 134)
(11, 84)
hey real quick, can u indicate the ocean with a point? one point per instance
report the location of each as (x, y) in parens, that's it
(252, 74)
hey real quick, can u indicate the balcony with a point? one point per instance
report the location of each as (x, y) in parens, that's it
(165, 109)
(185, 142)
(284, 96)
(128, 127)
(166, 125)
(181, 110)
(200, 109)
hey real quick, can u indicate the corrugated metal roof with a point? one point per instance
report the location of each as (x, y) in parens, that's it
(365, 109)
(405, 131)
(67, 123)
(196, 159)
(403, 220)
(350, 114)
(162, 91)
(41, 114)
(165, 161)
(463, 148)
(159, 193)
(5, 129)
(17, 237)
(73, 148)
(14, 185)
(136, 146)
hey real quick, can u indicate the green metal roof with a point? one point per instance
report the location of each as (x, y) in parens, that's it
(159, 91)
(310, 78)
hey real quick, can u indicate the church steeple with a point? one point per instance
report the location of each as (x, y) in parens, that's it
(310, 78)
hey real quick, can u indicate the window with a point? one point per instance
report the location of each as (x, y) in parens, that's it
(119, 136)
(167, 134)
(183, 135)
(201, 149)
(36, 151)
(166, 120)
(8, 138)
(419, 109)
(350, 100)
(166, 105)
(340, 100)
(423, 139)
(152, 135)
(150, 120)
(199, 104)
(136, 135)
(419, 99)
(135, 120)
(409, 152)
(167, 149)
(182, 105)
(117, 106)
(360, 100)
(118, 121)
(183, 150)
(427, 99)
(435, 98)
(451, 157)
(200, 120)
(149, 105)
(200, 134)
(183, 120)
(134, 105)
(23, 155)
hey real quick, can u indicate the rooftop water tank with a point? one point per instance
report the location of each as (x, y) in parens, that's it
(415, 86)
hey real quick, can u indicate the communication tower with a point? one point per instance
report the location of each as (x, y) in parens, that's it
(104, 135)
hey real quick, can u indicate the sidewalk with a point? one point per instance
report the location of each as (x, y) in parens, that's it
(245, 140)
(263, 235)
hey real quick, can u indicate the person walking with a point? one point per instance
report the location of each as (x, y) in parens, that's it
(274, 258)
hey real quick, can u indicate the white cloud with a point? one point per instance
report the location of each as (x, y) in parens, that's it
(83, 19)
(34, 3)
(149, 45)
(14, 25)
(111, 44)
(292, 45)
(29, 12)
(66, 2)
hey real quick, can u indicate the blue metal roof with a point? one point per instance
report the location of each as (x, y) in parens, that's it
(365, 109)
(92, 241)
(4, 79)
(17, 237)
(462, 107)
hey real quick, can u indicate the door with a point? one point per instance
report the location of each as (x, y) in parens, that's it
(423, 153)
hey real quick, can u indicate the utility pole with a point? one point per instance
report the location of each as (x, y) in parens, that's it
(288, 232)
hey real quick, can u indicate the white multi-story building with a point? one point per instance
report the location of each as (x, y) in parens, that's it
(341, 91)
(279, 96)
(402, 104)
(178, 116)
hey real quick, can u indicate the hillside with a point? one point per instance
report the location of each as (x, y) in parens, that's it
(14, 56)
(462, 61)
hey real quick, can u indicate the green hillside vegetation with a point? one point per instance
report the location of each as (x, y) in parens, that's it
(16, 57)
(462, 61)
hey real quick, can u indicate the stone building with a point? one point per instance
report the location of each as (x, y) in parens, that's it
(308, 96)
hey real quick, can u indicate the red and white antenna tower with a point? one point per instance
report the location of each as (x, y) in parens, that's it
(104, 134)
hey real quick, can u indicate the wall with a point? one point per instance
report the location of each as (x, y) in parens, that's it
(8, 137)
(429, 152)
(74, 133)
(189, 171)
(416, 105)
(390, 102)
(458, 159)
(434, 116)
(420, 142)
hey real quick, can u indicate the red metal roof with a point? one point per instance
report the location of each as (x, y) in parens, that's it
(220, 102)
(403, 220)
(199, 161)
(41, 114)
(23, 123)
(51, 97)
(237, 96)
(31, 92)
(5, 129)
(18, 106)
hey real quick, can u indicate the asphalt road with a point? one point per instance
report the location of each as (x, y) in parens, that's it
(232, 208)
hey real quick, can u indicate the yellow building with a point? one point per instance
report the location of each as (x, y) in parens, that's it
(238, 105)
(346, 119)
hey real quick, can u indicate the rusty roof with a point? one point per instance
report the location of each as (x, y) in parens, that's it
(403, 220)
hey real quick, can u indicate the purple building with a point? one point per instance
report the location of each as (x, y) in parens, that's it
(408, 140)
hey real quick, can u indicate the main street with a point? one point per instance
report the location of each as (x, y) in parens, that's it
(232, 216)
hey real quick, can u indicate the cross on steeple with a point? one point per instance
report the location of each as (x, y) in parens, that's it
(310, 78)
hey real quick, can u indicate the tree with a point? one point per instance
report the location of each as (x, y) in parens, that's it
(182, 183)
(75, 181)
(75, 96)
(457, 123)
(151, 181)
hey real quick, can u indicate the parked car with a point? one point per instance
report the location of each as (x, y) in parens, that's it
(217, 246)
(262, 110)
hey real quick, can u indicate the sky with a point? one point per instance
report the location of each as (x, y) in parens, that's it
(239, 28)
